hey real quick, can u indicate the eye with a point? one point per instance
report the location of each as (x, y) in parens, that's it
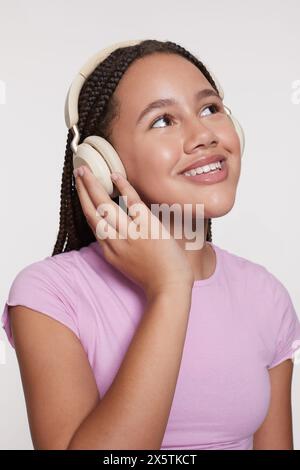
(160, 118)
(166, 116)
(214, 106)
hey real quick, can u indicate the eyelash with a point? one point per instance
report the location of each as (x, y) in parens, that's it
(216, 106)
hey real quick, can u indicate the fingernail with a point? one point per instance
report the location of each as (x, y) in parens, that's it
(78, 171)
(115, 176)
(81, 171)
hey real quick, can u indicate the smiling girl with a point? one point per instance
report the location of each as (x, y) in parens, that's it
(140, 343)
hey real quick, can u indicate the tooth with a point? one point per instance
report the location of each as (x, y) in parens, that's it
(206, 168)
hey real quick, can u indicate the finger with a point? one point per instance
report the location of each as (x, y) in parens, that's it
(107, 208)
(131, 199)
(141, 216)
(104, 231)
(100, 227)
(139, 212)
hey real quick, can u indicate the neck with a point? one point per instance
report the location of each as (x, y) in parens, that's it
(202, 260)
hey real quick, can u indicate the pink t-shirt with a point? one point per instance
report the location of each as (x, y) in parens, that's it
(242, 322)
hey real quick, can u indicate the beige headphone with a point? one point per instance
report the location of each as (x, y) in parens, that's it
(96, 152)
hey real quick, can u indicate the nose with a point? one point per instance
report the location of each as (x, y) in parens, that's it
(199, 133)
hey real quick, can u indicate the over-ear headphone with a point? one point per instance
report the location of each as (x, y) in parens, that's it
(95, 151)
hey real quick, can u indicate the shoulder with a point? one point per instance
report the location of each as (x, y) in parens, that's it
(259, 291)
(254, 275)
(59, 270)
(49, 286)
(267, 303)
(52, 274)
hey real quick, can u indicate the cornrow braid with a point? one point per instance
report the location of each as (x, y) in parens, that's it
(97, 109)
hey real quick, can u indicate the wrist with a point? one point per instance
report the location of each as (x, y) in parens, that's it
(178, 292)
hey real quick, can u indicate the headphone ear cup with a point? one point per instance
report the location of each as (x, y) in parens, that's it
(239, 131)
(107, 151)
(110, 157)
(102, 159)
(87, 155)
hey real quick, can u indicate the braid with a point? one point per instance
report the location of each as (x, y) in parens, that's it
(209, 236)
(97, 108)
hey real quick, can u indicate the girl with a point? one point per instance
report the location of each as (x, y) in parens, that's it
(141, 343)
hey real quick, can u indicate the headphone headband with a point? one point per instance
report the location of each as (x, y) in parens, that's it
(71, 103)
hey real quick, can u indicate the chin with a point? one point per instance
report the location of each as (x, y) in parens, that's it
(212, 211)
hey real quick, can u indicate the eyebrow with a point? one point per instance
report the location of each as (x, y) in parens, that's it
(163, 102)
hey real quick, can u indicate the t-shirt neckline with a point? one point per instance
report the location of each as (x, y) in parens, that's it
(198, 282)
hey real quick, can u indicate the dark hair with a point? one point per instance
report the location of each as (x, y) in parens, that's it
(97, 108)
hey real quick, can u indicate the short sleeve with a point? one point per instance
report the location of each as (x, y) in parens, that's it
(287, 338)
(43, 287)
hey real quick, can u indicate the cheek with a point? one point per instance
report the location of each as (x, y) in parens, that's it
(156, 159)
(154, 186)
(231, 140)
(143, 173)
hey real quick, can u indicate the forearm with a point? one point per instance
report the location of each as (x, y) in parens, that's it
(134, 412)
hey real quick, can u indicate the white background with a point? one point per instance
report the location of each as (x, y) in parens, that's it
(252, 48)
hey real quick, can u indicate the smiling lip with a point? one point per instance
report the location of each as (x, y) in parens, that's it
(211, 177)
(204, 161)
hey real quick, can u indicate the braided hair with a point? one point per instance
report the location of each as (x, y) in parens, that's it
(97, 108)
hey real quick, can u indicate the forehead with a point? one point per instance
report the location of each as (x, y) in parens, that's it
(156, 76)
